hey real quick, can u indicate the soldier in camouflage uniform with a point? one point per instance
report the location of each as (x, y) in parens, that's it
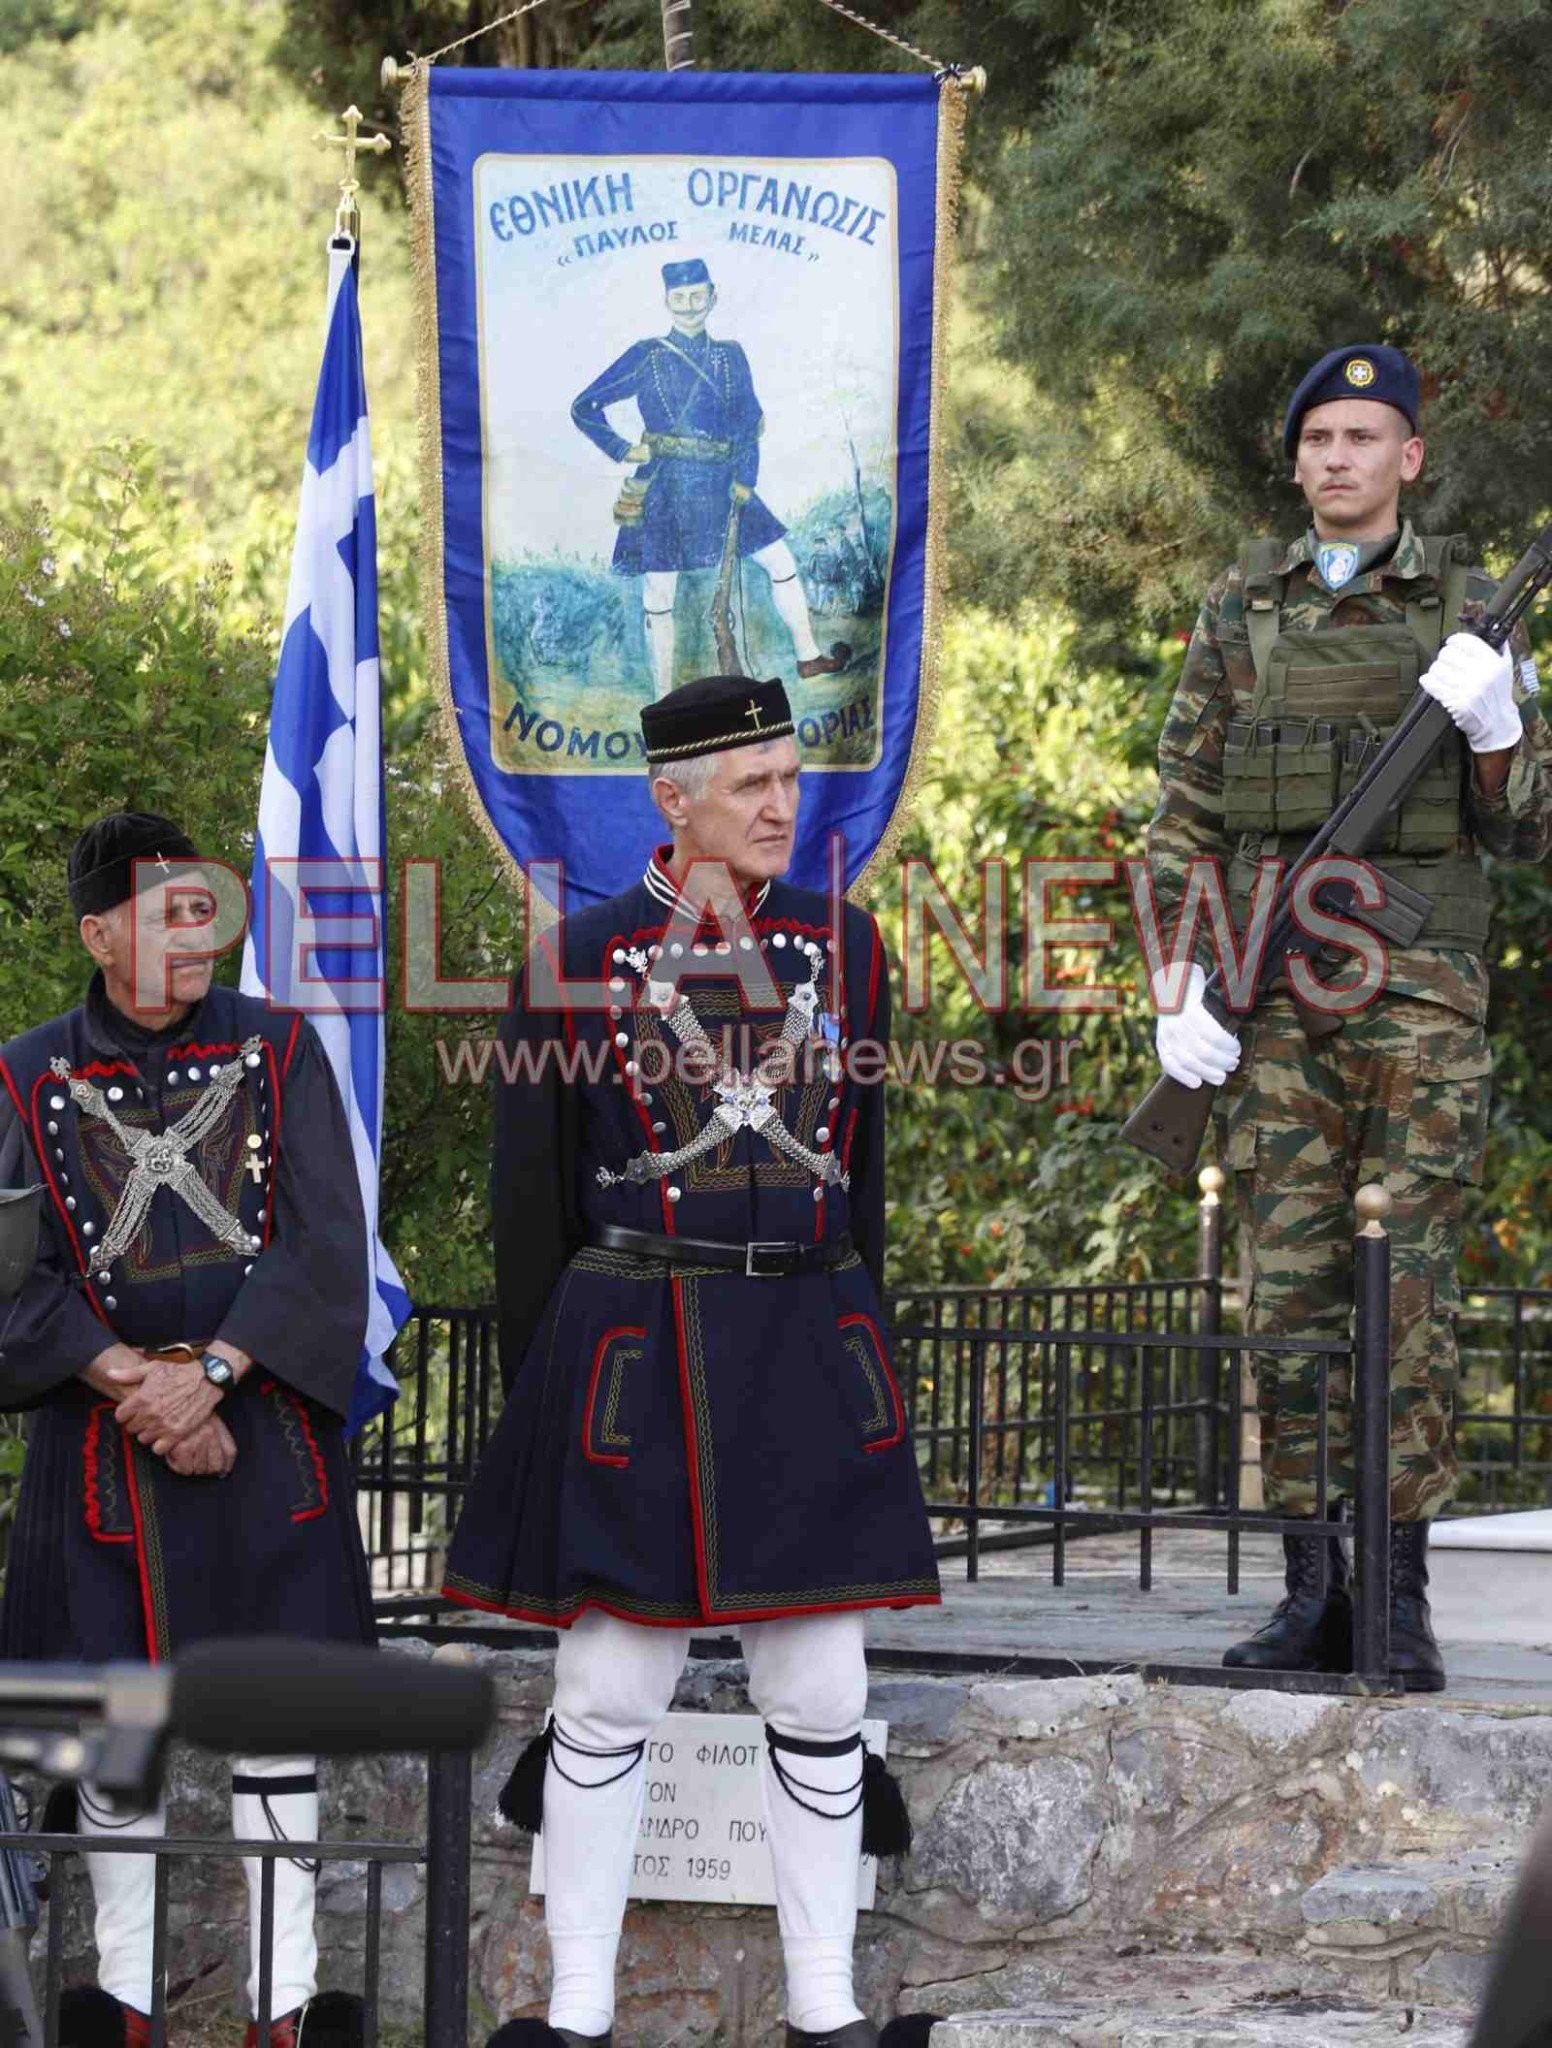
(1270, 724)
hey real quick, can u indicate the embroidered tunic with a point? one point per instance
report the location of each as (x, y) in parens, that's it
(114, 1555)
(690, 1444)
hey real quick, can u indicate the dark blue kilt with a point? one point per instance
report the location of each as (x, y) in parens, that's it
(698, 1448)
(113, 1556)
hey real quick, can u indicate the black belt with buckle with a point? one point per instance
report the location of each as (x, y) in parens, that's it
(767, 1259)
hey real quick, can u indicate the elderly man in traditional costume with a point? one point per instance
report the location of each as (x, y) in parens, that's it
(187, 1342)
(703, 1427)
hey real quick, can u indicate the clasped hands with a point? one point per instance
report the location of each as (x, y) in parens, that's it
(169, 1406)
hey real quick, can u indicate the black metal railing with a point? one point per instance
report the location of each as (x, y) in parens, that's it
(1042, 1414)
(444, 1854)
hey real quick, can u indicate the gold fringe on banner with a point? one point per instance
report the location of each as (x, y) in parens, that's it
(416, 118)
(953, 102)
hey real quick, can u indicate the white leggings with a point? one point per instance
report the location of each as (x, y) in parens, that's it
(124, 1887)
(659, 587)
(614, 1682)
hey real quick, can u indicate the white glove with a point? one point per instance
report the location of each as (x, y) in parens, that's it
(1193, 1046)
(1475, 684)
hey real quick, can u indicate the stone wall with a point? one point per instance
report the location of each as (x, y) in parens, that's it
(1074, 1836)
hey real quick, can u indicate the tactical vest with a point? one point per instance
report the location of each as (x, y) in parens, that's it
(1324, 703)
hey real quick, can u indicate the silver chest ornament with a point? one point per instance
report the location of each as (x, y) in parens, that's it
(159, 1159)
(743, 1101)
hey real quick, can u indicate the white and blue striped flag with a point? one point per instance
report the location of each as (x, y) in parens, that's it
(314, 946)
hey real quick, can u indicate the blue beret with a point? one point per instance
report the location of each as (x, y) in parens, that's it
(692, 272)
(1361, 370)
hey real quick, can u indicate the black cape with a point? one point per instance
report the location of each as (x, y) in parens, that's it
(113, 1555)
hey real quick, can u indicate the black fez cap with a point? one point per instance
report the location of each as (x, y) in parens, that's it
(1361, 370)
(713, 714)
(102, 861)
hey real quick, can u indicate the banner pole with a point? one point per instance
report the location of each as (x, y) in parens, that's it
(678, 35)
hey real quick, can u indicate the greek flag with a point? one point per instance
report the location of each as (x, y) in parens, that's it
(316, 938)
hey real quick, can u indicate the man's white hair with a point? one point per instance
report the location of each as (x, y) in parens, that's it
(692, 776)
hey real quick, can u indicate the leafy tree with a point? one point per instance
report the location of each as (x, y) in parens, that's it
(114, 680)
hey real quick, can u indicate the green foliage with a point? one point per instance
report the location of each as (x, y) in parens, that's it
(115, 681)
(162, 251)
(1043, 753)
(1173, 207)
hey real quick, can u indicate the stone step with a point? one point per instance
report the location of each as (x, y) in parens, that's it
(1302, 2023)
(1418, 1929)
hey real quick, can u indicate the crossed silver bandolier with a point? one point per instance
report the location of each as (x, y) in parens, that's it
(744, 1101)
(158, 1159)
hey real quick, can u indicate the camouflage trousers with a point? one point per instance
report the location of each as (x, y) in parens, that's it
(1400, 1095)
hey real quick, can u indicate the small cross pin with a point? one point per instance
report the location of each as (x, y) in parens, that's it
(253, 1162)
(162, 863)
(754, 713)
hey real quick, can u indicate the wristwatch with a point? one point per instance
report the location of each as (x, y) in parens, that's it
(218, 1371)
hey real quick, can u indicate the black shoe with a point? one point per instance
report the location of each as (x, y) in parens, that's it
(1415, 1662)
(1311, 1628)
(96, 2019)
(910, 2030)
(540, 2034)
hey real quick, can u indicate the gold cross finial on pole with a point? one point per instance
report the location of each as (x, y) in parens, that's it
(347, 218)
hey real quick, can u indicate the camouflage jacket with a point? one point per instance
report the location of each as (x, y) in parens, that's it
(1513, 824)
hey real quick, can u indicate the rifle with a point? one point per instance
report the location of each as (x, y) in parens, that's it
(1171, 1120)
(722, 597)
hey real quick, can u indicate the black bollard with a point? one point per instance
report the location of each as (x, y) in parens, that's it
(1371, 1428)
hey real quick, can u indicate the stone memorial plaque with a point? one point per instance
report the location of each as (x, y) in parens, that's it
(702, 1828)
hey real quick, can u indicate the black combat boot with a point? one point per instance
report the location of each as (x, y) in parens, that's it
(1311, 1628)
(1415, 1663)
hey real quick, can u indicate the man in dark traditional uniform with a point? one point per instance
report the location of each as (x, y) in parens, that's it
(703, 1426)
(187, 1343)
(1302, 659)
(699, 457)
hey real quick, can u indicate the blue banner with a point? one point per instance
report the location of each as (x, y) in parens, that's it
(678, 336)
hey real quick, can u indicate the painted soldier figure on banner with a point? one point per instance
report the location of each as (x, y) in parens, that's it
(692, 502)
(617, 501)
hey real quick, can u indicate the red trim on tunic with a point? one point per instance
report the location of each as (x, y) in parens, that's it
(147, 1602)
(40, 1147)
(275, 1073)
(90, 1454)
(296, 1026)
(691, 1447)
(312, 1514)
(554, 1619)
(882, 1443)
(608, 1337)
(851, 1132)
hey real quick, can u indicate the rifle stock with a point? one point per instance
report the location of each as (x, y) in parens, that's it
(1170, 1123)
